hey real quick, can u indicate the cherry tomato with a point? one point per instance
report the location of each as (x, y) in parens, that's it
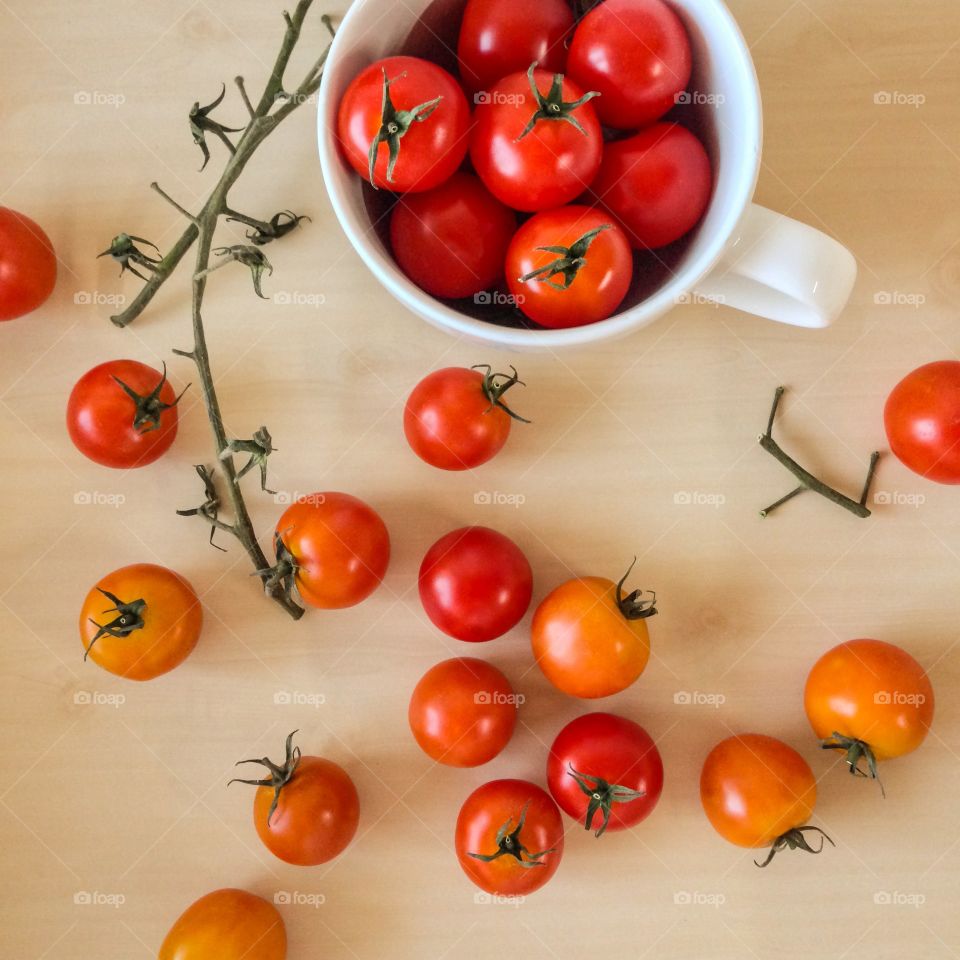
(498, 37)
(335, 547)
(605, 771)
(140, 621)
(536, 142)
(462, 712)
(869, 699)
(475, 584)
(227, 925)
(122, 414)
(509, 837)
(28, 265)
(757, 791)
(580, 284)
(589, 639)
(636, 54)
(422, 120)
(451, 241)
(305, 810)
(656, 184)
(922, 419)
(456, 418)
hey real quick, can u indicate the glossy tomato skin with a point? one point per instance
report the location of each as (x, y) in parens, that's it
(656, 183)
(475, 584)
(316, 816)
(433, 147)
(872, 691)
(484, 812)
(584, 644)
(636, 54)
(463, 712)
(755, 788)
(922, 420)
(227, 925)
(552, 164)
(499, 37)
(450, 423)
(614, 749)
(28, 265)
(600, 284)
(100, 415)
(451, 241)
(340, 545)
(172, 622)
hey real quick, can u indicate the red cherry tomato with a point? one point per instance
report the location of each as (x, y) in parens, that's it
(535, 152)
(657, 184)
(122, 414)
(605, 772)
(28, 265)
(475, 584)
(451, 241)
(427, 121)
(498, 37)
(583, 285)
(509, 837)
(922, 420)
(636, 54)
(456, 418)
(462, 712)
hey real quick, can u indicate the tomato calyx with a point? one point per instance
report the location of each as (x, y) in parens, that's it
(508, 844)
(568, 263)
(394, 124)
(551, 105)
(148, 409)
(856, 751)
(633, 606)
(129, 618)
(123, 248)
(201, 123)
(282, 575)
(495, 385)
(795, 840)
(603, 795)
(280, 774)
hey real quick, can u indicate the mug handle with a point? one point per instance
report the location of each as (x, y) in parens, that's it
(782, 269)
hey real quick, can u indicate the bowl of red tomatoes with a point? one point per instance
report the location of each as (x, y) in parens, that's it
(539, 173)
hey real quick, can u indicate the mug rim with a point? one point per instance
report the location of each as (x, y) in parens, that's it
(387, 272)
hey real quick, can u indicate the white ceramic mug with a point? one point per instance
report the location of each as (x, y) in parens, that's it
(741, 254)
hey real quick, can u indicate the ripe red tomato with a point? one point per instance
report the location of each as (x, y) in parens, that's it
(122, 414)
(305, 810)
(589, 639)
(456, 418)
(475, 584)
(509, 837)
(227, 925)
(410, 136)
(871, 700)
(605, 772)
(28, 265)
(536, 142)
(140, 621)
(451, 241)
(922, 419)
(581, 283)
(498, 37)
(656, 183)
(462, 712)
(756, 791)
(636, 54)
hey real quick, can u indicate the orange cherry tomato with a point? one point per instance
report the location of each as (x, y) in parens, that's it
(589, 639)
(227, 925)
(140, 621)
(757, 791)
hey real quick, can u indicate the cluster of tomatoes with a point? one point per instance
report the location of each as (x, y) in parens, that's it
(566, 126)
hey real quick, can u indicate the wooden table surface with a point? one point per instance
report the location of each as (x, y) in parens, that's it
(114, 792)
